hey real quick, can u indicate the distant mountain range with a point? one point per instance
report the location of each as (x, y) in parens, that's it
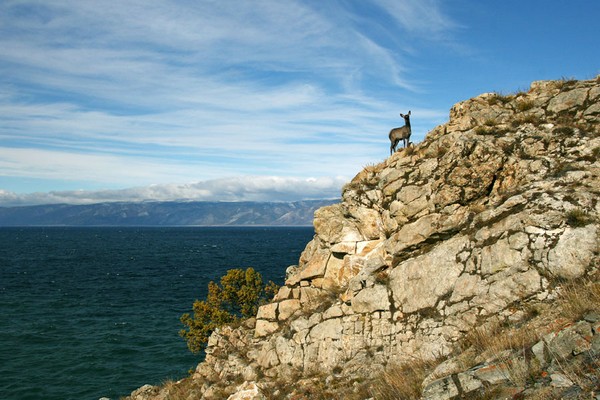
(164, 214)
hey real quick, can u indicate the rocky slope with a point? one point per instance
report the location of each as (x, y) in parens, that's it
(482, 222)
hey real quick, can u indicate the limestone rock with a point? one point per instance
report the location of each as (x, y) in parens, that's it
(328, 329)
(247, 391)
(560, 380)
(371, 299)
(267, 311)
(145, 392)
(573, 252)
(568, 100)
(264, 328)
(287, 308)
(420, 282)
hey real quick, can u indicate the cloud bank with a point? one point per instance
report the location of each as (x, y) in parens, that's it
(248, 188)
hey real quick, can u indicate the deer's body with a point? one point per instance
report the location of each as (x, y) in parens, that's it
(401, 133)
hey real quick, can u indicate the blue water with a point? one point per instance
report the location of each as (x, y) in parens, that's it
(93, 312)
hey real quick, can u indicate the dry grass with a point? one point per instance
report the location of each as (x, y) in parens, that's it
(401, 381)
(508, 346)
(482, 130)
(564, 82)
(491, 340)
(499, 98)
(410, 150)
(490, 122)
(577, 298)
(526, 119)
(524, 105)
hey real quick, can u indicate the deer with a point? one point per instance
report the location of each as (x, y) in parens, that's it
(401, 133)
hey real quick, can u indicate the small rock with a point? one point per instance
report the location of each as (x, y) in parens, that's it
(264, 328)
(469, 383)
(570, 341)
(441, 389)
(539, 351)
(247, 391)
(595, 345)
(560, 380)
(493, 374)
(592, 316)
(145, 392)
(573, 392)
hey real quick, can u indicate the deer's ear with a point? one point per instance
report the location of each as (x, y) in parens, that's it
(402, 115)
(409, 112)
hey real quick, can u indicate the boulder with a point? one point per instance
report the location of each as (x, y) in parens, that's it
(264, 327)
(371, 299)
(420, 282)
(573, 252)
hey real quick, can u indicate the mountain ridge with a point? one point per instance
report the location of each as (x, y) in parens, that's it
(165, 213)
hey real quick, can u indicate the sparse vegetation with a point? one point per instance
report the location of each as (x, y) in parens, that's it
(495, 338)
(526, 119)
(564, 82)
(524, 105)
(577, 218)
(563, 130)
(498, 98)
(561, 169)
(489, 130)
(481, 130)
(441, 151)
(579, 298)
(324, 299)
(409, 150)
(402, 381)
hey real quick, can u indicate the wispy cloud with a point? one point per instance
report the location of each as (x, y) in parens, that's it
(420, 17)
(145, 92)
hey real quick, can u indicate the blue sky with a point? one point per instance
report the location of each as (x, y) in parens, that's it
(252, 100)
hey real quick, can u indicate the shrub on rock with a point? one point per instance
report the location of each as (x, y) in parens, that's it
(237, 297)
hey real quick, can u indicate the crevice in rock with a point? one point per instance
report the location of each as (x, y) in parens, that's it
(459, 388)
(490, 188)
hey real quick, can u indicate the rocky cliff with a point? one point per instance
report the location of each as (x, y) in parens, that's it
(478, 225)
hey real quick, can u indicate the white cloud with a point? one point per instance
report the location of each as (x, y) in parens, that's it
(420, 17)
(247, 188)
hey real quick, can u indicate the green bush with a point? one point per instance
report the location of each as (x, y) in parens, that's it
(237, 297)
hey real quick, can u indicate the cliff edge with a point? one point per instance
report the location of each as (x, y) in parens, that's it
(487, 219)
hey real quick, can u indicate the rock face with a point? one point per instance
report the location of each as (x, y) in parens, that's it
(485, 215)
